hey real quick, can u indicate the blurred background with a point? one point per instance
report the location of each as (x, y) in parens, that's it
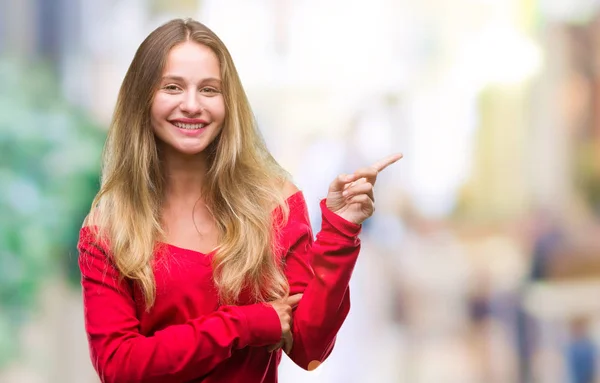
(482, 261)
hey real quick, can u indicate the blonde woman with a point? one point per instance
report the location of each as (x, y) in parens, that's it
(197, 252)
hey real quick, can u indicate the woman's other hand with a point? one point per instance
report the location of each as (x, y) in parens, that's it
(284, 308)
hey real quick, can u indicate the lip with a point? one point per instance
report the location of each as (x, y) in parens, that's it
(189, 121)
(189, 132)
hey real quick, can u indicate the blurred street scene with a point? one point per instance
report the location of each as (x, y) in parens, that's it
(482, 261)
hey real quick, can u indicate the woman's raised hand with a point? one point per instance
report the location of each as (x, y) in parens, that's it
(351, 195)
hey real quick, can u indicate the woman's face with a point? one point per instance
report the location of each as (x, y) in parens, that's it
(188, 109)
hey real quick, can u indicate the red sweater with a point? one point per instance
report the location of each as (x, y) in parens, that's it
(188, 337)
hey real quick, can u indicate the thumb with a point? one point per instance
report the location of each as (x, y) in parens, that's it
(294, 299)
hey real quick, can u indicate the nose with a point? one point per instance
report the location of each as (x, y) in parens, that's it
(191, 103)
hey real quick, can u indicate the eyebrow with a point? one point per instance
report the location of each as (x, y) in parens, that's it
(181, 79)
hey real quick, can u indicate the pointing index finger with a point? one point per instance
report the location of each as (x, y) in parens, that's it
(387, 161)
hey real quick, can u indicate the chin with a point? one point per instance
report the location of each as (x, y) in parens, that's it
(186, 147)
(191, 151)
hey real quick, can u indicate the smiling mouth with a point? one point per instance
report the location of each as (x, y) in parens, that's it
(181, 125)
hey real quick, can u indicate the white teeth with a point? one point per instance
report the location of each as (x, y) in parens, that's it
(188, 126)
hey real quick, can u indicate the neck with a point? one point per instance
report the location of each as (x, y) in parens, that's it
(184, 176)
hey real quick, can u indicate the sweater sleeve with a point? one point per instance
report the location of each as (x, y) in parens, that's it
(176, 353)
(321, 270)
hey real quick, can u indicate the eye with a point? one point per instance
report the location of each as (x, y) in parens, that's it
(209, 90)
(171, 88)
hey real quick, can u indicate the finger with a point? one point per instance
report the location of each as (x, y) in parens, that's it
(362, 188)
(288, 342)
(294, 300)
(275, 346)
(340, 181)
(357, 182)
(387, 161)
(370, 173)
(363, 199)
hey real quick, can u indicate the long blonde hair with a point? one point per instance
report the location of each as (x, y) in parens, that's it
(244, 183)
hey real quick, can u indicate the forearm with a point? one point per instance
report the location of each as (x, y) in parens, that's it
(326, 300)
(180, 352)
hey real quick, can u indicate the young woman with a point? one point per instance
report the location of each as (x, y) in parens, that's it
(197, 258)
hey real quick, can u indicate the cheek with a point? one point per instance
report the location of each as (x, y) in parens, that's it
(158, 113)
(161, 106)
(155, 109)
(153, 113)
(218, 109)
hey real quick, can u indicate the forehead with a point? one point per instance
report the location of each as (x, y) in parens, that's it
(190, 60)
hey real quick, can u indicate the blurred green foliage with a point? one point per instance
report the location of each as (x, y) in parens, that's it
(49, 172)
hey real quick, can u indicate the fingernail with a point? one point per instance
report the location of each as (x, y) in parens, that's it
(345, 193)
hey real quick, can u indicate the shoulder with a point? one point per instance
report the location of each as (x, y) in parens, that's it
(296, 224)
(294, 199)
(291, 201)
(93, 217)
(91, 237)
(289, 189)
(89, 233)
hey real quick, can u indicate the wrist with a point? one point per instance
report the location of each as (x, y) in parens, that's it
(332, 221)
